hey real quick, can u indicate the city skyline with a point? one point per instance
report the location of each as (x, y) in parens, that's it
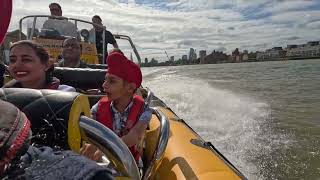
(307, 50)
(174, 26)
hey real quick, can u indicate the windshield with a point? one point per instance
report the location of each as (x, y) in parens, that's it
(51, 31)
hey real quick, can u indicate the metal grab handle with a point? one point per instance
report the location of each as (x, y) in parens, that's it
(148, 99)
(163, 139)
(111, 145)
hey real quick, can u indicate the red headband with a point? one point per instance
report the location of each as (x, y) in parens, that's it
(14, 133)
(122, 67)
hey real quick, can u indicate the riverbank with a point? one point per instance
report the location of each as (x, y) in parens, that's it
(173, 63)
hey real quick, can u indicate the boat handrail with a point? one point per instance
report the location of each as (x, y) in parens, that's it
(162, 142)
(120, 36)
(111, 145)
(57, 17)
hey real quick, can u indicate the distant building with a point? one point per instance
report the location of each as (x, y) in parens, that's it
(192, 54)
(245, 55)
(235, 57)
(171, 58)
(313, 43)
(184, 57)
(252, 56)
(238, 56)
(311, 49)
(153, 61)
(214, 57)
(202, 55)
(292, 46)
(146, 60)
(274, 53)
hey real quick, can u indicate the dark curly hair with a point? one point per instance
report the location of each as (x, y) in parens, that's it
(56, 4)
(96, 17)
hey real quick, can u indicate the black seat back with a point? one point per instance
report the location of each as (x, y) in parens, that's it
(48, 111)
(80, 78)
(98, 66)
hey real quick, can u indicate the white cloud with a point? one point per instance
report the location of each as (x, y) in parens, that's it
(175, 26)
(314, 25)
(293, 5)
(296, 17)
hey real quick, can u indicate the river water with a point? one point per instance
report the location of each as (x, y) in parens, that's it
(263, 116)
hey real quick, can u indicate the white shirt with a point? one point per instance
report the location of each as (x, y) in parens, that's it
(66, 88)
(63, 26)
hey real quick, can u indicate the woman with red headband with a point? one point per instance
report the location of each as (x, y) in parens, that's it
(19, 160)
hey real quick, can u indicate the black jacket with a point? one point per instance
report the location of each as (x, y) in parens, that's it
(82, 64)
(2, 71)
(46, 164)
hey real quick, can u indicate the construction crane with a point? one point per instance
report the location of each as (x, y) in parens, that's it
(167, 55)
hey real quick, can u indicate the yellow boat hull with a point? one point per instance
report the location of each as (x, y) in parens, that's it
(186, 155)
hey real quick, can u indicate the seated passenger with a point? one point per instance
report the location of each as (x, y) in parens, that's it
(30, 67)
(71, 53)
(63, 26)
(20, 160)
(121, 110)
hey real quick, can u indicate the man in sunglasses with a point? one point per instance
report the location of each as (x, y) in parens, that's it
(71, 53)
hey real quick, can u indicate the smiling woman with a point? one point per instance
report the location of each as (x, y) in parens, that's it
(30, 67)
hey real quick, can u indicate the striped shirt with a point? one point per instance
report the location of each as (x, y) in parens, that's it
(119, 119)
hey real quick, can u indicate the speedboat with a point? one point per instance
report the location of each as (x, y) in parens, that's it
(171, 148)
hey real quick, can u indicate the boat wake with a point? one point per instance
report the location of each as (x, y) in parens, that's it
(237, 126)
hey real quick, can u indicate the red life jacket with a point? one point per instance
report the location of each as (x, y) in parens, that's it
(104, 116)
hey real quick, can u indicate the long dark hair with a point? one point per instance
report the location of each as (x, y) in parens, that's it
(41, 53)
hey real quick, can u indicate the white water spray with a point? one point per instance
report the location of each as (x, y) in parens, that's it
(233, 123)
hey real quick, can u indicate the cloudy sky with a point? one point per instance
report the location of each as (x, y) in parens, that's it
(175, 26)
